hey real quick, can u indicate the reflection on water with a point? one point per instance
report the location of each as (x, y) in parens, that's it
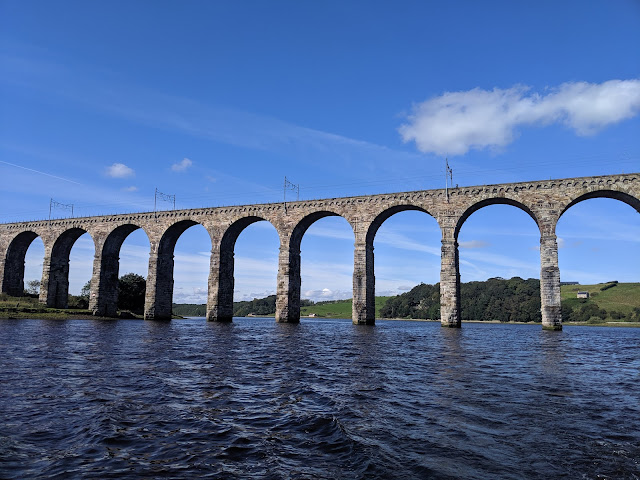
(323, 399)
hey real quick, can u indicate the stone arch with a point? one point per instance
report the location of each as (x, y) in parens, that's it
(303, 225)
(103, 299)
(55, 281)
(492, 201)
(170, 236)
(13, 281)
(624, 197)
(233, 231)
(377, 222)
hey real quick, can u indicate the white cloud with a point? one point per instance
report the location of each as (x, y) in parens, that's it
(327, 294)
(119, 170)
(456, 122)
(181, 166)
(132, 188)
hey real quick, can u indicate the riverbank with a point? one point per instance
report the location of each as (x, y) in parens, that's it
(17, 313)
(64, 315)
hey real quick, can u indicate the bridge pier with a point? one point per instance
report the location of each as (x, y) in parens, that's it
(550, 283)
(364, 293)
(103, 293)
(449, 283)
(159, 294)
(221, 282)
(289, 283)
(54, 288)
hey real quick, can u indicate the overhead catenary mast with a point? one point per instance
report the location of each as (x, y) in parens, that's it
(448, 178)
(65, 206)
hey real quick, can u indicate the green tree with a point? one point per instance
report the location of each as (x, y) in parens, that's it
(131, 291)
(33, 287)
(86, 289)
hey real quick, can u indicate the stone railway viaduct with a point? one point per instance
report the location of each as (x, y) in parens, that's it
(545, 201)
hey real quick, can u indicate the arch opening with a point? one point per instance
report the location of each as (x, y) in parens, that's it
(23, 265)
(623, 197)
(160, 281)
(125, 252)
(192, 254)
(407, 244)
(81, 258)
(323, 243)
(499, 258)
(488, 202)
(598, 243)
(255, 270)
(56, 280)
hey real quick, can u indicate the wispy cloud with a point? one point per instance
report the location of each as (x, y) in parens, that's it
(326, 232)
(397, 240)
(456, 122)
(182, 165)
(119, 170)
(40, 172)
(499, 260)
(474, 244)
(191, 117)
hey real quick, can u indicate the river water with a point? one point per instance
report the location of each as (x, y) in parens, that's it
(323, 399)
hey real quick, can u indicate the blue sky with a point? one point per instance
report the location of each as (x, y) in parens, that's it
(103, 102)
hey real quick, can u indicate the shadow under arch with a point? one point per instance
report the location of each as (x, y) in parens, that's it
(105, 284)
(613, 194)
(221, 300)
(13, 281)
(492, 201)
(55, 281)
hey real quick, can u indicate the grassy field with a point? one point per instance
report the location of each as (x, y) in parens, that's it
(26, 307)
(623, 298)
(338, 309)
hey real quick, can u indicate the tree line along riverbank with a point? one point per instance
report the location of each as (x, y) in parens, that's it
(496, 299)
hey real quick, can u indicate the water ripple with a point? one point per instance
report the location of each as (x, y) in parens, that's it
(323, 399)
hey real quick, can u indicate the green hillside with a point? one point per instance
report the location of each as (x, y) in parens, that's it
(494, 299)
(516, 299)
(337, 308)
(622, 297)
